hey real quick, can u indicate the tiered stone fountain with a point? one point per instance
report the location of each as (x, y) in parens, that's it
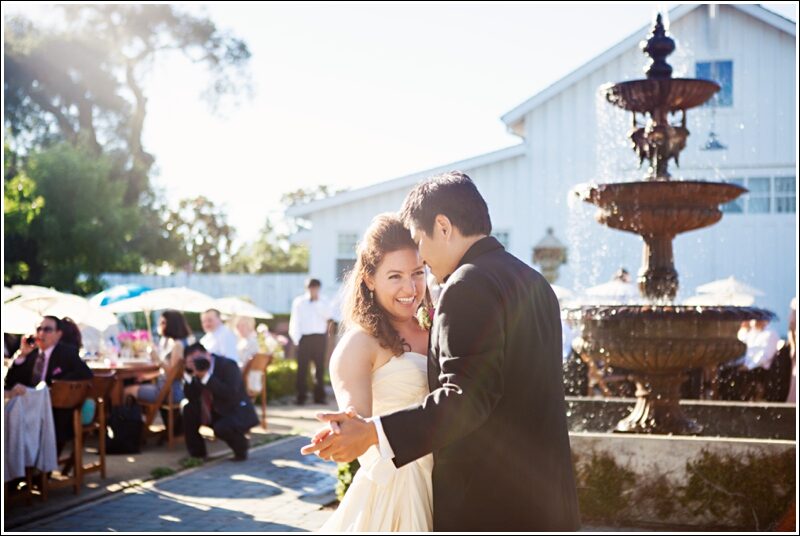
(659, 341)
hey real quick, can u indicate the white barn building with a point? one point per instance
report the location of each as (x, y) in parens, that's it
(569, 134)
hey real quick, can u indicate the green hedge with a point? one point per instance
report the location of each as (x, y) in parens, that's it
(345, 473)
(282, 379)
(749, 493)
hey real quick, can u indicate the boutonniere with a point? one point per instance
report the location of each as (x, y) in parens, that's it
(425, 317)
(57, 371)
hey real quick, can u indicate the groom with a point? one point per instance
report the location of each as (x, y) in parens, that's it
(495, 419)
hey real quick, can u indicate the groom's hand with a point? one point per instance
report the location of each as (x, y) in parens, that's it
(333, 420)
(354, 436)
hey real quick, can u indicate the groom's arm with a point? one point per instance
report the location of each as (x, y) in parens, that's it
(471, 340)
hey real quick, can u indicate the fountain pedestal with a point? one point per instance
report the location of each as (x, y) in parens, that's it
(657, 406)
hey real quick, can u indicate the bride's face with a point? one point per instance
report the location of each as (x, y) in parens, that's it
(399, 283)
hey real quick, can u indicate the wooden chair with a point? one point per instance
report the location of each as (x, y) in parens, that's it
(258, 362)
(101, 388)
(12, 496)
(70, 395)
(163, 401)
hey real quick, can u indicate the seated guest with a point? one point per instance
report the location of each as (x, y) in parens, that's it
(175, 334)
(45, 358)
(247, 346)
(218, 339)
(216, 397)
(762, 344)
(71, 333)
(743, 378)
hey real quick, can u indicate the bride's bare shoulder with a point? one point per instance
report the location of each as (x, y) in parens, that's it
(356, 345)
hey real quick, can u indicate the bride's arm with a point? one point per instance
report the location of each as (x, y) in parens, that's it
(351, 371)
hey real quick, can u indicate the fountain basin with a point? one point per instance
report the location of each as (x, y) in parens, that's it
(656, 343)
(667, 94)
(664, 208)
(663, 339)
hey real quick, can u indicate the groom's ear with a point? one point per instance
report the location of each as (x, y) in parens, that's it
(442, 226)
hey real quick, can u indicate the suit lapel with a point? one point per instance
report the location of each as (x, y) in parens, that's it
(433, 359)
(51, 365)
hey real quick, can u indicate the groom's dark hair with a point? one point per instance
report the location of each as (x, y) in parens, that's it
(451, 194)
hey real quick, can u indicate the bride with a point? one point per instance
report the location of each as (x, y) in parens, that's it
(378, 367)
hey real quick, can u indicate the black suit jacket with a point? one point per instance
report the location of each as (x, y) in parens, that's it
(229, 398)
(495, 419)
(64, 364)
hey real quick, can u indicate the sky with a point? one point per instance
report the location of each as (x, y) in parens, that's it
(351, 94)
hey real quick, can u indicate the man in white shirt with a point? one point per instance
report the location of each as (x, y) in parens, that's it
(762, 344)
(218, 338)
(745, 378)
(308, 328)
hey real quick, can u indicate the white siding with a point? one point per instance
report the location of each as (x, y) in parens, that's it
(498, 182)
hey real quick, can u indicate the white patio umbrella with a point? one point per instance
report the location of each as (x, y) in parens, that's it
(9, 294)
(61, 304)
(728, 286)
(28, 291)
(22, 315)
(614, 291)
(739, 300)
(18, 320)
(179, 298)
(238, 307)
(562, 293)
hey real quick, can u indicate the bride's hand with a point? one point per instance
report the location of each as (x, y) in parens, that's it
(333, 420)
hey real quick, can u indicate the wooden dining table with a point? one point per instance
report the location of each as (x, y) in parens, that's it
(139, 370)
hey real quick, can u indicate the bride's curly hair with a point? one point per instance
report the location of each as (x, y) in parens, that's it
(385, 234)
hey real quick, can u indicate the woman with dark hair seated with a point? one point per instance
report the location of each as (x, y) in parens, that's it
(71, 333)
(175, 335)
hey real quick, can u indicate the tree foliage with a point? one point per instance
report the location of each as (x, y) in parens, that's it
(77, 92)
(85, 82)
(274, 250)
(270, 252)
(202, 229)
(68, 221)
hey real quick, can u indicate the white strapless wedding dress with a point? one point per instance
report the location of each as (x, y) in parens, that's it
(383, 498)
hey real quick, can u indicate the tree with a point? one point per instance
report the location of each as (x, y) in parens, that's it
(270, 252)
(302, 196)
(204, 234)
(66, 221)
(273, 250)
(85, 82)
(21, 207)
(82, 84)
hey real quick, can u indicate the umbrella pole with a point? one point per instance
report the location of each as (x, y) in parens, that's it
(149, 327)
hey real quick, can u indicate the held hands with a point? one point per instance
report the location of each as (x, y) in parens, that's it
(346, 437)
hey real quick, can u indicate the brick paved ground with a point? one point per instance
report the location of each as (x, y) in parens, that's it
(276, 489)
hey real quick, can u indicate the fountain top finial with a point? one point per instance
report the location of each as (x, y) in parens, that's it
(658, 46)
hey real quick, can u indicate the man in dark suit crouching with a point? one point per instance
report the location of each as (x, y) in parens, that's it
(217, 398)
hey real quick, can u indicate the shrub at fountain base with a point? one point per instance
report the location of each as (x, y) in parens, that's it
(744, 492)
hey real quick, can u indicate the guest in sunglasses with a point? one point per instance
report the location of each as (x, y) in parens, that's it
(43, 358)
